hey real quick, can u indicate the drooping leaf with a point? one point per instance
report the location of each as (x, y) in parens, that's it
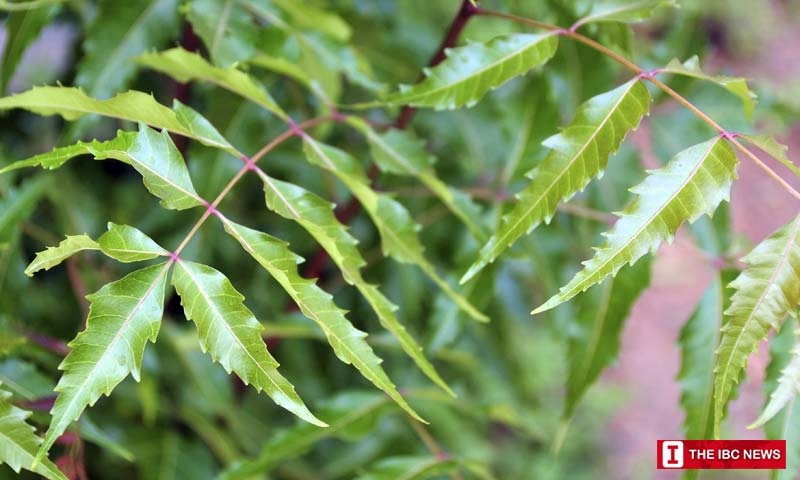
(735, 85)
(578, 154)
(230, 333)
(785, 425)
(419, 467)
(470, 72)
(596, 340)
(128, 244)
(400, 152)
(776, 150)
(785, 392)
(623, 11)
(135, 106)
(692, 184)
(184, 66)
(398, 231)
(52, 256)
(316, 216)
(766, 291)
(124, 315)
(18, 442)
(22, 29)
(119, 32)
(227, 29)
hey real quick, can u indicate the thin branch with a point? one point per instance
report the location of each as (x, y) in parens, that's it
(649, 76)
(430, 443)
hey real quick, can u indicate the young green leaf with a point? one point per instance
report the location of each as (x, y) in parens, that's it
(785, 425)
(73, 103)
(623, 11)
(776, 150)
(735, 85)
(595, 342)
(124, 315)
(471, 71)
(400, 152)
(766, 291)
(184, 66)
(52, 256)
(128, 244)
(119, 32)
(230, 333)
(692, 184)
(398, 231)
(578, 154)
(18, 442)
(316, 216)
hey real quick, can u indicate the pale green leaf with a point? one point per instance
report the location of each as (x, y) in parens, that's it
(776, 150)
(623, 11)
(471, 71)
(316, 216)
(398, 231)
(690, 185)
(135, 106)
(184, 66)
(18, 442)
(411, 468)
(785, 425)
(21, 30)
(578, 154)
(124, 315)
(53, 256)
(119, 32)
(308, 16)
(227, 30)
(230, 333)
(766, 291)
(595, 342)
(785, 392)
(128, 244)
(400, 152)
(735, 85)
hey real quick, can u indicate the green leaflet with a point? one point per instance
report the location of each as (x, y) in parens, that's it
(400, 152)
(398, 231)
(785, 392)
(596, 340)
(231, 334)
(735, 85)
(184, 66)
(471, 71)
(766, 291)
(18, 442)
(351, 415)
(128, 244)
(135, 106)
(119, 32)
(316, 216)
(693, 183)
(578, 154)
(18, 205)
(418, 467)
(776, 150)
(52, 256)
(226, 29)
(308, 16)
(124, 315)
(22, 29)
(785, 425)
(623, 11)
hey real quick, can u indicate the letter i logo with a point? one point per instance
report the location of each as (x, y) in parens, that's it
(672, 454)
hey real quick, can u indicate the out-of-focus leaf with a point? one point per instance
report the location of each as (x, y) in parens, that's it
(692, 184)
(52, 256)
(18, 205)
(776, 150)
(785, 392)
(766, 291)
(231, 334)
(226, 28)
(25, 380)
(129, 244)
(410, 468)
(18, 442)
(735, 85)
(470, 72)
(22, 28)
(119, 32)
(785, 424)
(623, 11)
(124, 315)
(577, 155)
